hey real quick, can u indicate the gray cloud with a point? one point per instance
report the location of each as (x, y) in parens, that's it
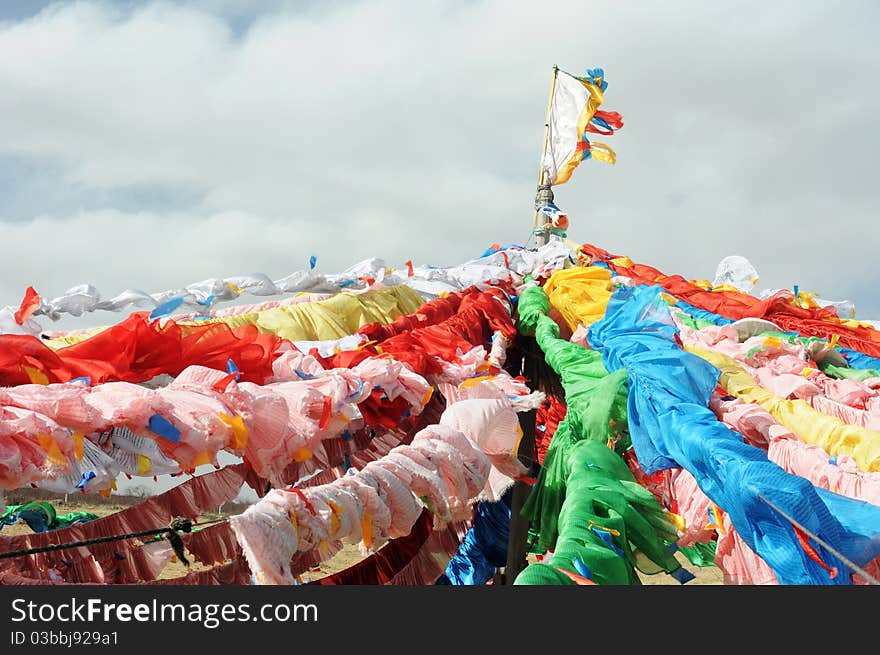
(15, 10)
(168, 143)
(34, 187)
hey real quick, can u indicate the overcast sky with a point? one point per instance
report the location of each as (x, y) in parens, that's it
(151, 144)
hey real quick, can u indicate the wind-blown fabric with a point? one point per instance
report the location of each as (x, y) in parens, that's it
(379, 502)
(853, 364)
(671, 425)
(586, 506)
(574, 112)
(549, 416)
(839, 474)
(835, 434)
(221, 406)
(56, 339)
(188, 499)
(495, 267)
(832, 434)
(330, 318)
(579, 294)
(378, 416)
(51, 432)
(41, 516)
(411, 560)
(136, 350)
(778, 308)
(484, 547)
(270, 425)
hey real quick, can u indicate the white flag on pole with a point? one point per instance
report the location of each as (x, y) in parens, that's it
(574, 112)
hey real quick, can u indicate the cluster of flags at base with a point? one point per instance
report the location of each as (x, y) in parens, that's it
(575, 113)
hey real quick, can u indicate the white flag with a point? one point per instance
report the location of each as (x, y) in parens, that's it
(573, 114)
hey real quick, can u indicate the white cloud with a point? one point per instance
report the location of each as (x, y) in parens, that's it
(412, 130)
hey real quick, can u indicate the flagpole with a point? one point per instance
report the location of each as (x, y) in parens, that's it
(544, 192)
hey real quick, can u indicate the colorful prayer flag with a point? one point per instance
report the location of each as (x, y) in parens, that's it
(574, 112)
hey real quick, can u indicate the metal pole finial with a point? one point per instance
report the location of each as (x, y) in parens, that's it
(544, 193)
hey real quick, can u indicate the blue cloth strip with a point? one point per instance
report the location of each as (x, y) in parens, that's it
(671, 425)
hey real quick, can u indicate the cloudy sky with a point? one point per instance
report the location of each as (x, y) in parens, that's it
(152, 144)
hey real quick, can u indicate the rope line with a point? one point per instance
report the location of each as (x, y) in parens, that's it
(171, 531)
(855, 567)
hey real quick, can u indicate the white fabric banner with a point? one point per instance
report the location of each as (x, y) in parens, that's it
(569, 100)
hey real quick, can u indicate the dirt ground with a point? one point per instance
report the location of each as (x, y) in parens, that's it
(346, 557)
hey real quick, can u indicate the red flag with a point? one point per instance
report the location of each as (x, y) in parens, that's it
(29, 305)
(220, 385)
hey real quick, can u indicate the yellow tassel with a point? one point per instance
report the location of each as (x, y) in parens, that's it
(602, 152)
(78, 446)
(718, 523)
(367, 531)
(47, 442)
(611, 531)
(202, 458)
(35, 375)
(472, 382)
(677, 520)
(239, 430)
(725, 287)
(427, 396)
(335, 510)
(302, 455)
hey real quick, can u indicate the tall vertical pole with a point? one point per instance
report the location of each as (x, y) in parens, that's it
(517, 540)
(544, 193)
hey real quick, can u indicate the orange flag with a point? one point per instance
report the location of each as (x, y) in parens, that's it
(29, 305)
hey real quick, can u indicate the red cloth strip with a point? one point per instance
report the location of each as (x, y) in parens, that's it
(136, 350)
(816, 322)
(550, 414)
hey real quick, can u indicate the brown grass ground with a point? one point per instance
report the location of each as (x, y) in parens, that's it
(342, 560)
